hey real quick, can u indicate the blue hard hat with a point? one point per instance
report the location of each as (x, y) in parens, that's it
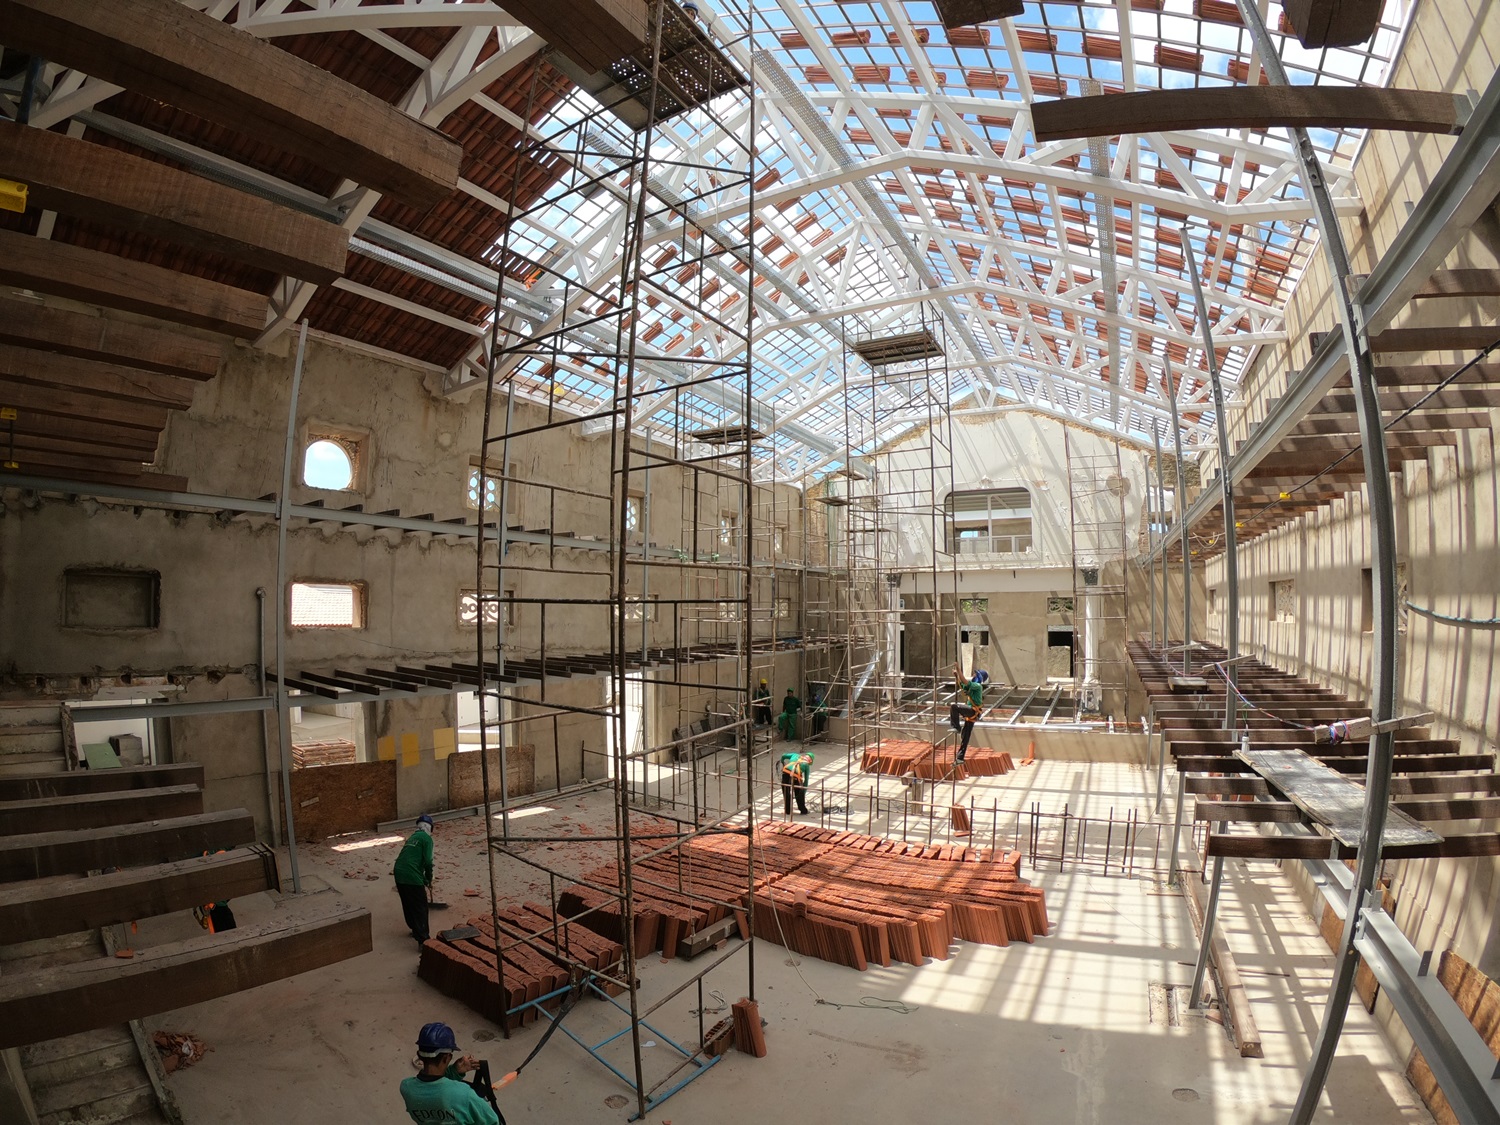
(425, 819)
(981, 677)
(436, 1039)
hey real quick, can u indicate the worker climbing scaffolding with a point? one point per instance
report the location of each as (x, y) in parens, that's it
(965, 713)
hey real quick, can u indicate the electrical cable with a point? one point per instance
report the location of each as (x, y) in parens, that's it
(1449, 619)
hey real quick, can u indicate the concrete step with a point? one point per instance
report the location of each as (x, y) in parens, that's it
(100, 1098)
(16, 713)
(30, 740)
(23, 765)
(58, 1061)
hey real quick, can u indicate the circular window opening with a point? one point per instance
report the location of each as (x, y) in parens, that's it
(327, 464)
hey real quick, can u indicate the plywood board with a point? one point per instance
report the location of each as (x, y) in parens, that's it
(465, 784)
(352, 797)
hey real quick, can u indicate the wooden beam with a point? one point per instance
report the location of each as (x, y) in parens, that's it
(83, 478)
(593, 33)
(67, 999)
(107, 379)
(66, 904)
(194, 62)
(45, 462)
(1333, 23)
(108, 436)
(1461, 283)
(81, 404)
(1453, 338)
(1342, 443)
(1258, 812)
(1392, 402)
(1246, 107)
(1349, 423)
(47, 328)
(22, 787)
(119, 189)
(98, 810)
(119, 283)
(72, 853)
(1322, 847)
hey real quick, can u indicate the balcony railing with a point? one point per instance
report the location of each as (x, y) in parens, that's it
(994, 545)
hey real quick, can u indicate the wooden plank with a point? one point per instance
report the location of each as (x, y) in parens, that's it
(67, 999)
(119, 189)
(67, 904)
(82, 478)
(1456, 397)
(1333, 23)
(21, 787)
(1232, 846)
(98, 810)
(1450, 338)
(593, 33)
(1259, 812)
(119, 283)
(111, 439)
(1246, 107)
(1461, 283)
(80, 404)
(187, 59)
(33, 325)
(1329, 797)
(108, 379)
(71, 853)
(42, 462)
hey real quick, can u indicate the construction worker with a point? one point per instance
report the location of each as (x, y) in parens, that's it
(796, 768)
(413, 873)
(762, 705)
(787, 720)
(437, 1093)
(966, 712)
(819, 713)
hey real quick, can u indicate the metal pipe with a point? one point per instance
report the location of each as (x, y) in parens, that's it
(1187, 555)
(283, 708)
(1150, 578)
(265, 733)
(1231, 538)
(1161, 511)
(1382, 581)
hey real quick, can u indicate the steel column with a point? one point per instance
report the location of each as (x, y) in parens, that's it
(283, 705)
(1187, 555)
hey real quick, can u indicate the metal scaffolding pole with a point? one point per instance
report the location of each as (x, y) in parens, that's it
(1187, 554)
(1382, 582)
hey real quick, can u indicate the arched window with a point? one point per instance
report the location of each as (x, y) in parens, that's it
(329, 463)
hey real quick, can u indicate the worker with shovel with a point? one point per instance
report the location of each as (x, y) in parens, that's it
(437, 1094)
(413, 873)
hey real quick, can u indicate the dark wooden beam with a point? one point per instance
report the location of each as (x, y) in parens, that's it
(119, 283)
(194, 62)
(1246, 107)
(1333, 23)
(67, 999)
(1342, 443)
(107, 379)
(1461, 283)
(1253, 812)
(30, 324)
(119, 189)
(72, 853)
(1453, 338)
(85, 477)
(1233, 846)
(23, 787)
(1392, 402)
(80, 404)
(67, 904)
(109, 437)
(1349, 423)
(78, 811)
(46, 462)
(593, 33)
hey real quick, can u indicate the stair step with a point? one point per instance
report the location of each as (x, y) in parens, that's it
(30, 740)
(108, 1052)
(66, 948)
(104, 1096)
(51, 763)
(51, 1050)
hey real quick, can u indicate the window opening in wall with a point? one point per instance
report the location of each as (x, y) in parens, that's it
(111, 598)
(328, 605)
(729, 611)
(1059, 605)
(633, 512)
(1213, 601)
(973, 605)
(993, 522)
(1367, 599)
(639, 609)
(1059, 652)
(728, 526)
(783, 609)
(469, 605)
(778, 539)
(330, 462)
(979, 637)
(1284, 600)
(491, 491)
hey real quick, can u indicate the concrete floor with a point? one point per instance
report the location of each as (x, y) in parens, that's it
(1057, 1031)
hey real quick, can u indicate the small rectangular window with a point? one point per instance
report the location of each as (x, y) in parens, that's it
(1284, 600)
(468, 609)
(1059, 605)
(328, 605)
(783, 609)
(979, 637)
(638, 610)
(333, 459)
(111, 598)
(973, 605)
(1367, 599)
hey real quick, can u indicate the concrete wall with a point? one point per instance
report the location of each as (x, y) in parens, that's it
(1446, 506)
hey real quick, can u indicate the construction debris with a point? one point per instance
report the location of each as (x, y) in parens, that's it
(911, 758)
(178, 1051)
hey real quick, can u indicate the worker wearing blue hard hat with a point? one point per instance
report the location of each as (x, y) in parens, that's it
(437, 1092)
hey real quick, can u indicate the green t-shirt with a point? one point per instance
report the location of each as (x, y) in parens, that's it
(792, 763)
(974, 691)
(445, 1101)
(791, 705)
(414, 864)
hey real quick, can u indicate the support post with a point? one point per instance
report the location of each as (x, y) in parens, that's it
(1187, 555)
(283, 707)
(1383, 575)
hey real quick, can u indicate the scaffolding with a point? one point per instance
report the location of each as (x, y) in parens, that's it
(892, 600)
(644, 362)
(1100, 542)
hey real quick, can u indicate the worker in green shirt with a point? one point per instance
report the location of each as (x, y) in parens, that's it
(437, 1094)
(762, 700)
(965, 713)
(787, 720)
(795, 770)
(413, 873)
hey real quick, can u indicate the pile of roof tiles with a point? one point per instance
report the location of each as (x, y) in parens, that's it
(839, 896)
(912, 758)
(464, 967)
